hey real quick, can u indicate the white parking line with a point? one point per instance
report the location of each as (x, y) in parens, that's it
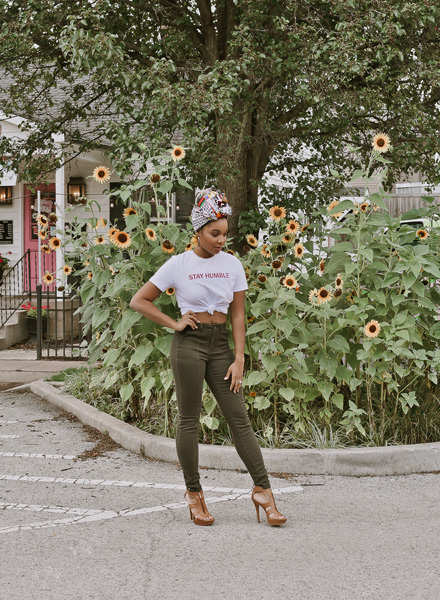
(88, 515)
(118, 483)
(3, 437)
(28, 455)
(2, 422)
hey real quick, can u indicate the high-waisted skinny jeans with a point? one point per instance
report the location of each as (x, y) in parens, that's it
(196, 355)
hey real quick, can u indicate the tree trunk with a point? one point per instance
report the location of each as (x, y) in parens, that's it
(243, 157)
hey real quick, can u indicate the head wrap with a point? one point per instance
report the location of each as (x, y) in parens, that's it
(210, 205)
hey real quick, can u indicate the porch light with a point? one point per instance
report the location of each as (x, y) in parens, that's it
(76, 188)
(5, 194)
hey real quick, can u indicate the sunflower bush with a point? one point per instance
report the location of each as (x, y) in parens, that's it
(345, 334)
(342, 338)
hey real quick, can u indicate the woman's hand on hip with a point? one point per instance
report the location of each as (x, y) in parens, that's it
(189, 318)
(235, 372)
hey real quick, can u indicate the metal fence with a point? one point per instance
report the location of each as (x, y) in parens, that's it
(58, 328)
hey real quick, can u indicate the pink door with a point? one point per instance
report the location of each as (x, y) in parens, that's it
(31, 238)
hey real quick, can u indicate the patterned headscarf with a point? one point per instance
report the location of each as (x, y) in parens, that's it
(210, 205)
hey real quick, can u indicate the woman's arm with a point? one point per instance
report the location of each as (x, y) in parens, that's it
(236, 310)
(143, 300)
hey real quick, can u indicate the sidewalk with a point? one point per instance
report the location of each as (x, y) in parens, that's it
(21, 366)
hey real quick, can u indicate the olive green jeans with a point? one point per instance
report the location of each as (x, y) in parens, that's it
(196, 355)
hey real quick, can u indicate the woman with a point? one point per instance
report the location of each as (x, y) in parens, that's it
(207, 282)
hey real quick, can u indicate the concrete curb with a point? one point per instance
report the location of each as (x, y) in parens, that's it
(390, 460)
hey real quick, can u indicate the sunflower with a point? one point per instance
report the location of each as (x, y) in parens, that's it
(61, 288)
(305, 227)
(276, 213)
(86, 263)
(331, 206)
(188, 247)
(252, 240)
(372, 329)
(292, 226)
(337, 293)
(276, 264)
(381, 143)
(129, 211)
(265, 250)
(101, 174)
(48, 278)
(262, 278)
(313, 295)
(280, 249)
(364, 207)
(167, 247)
(339, 281)
(324, 296)
(177, 153)
(45, 248)
(230, 252)
(253, 394)
(287, 238)
(375, 207)
(53, 218)
(121, 239)
(67, 269)
(250, 319)
(98, 335)
(42, 233)
(155, 178)
(299, 250)
(422, 234)
(195, 241)
(89, 275)
(99, 240)
(151, 234)
(290, 282)
(170, 291)
(42, 220)
(321, 267)
(111, 232)
(99, 223)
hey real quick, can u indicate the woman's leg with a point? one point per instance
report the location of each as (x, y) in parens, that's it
(234, 409)
(188, 365)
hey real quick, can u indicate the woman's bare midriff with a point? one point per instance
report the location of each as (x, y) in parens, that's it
(206, 317)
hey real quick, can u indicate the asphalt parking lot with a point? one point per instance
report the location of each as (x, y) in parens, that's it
(83, 518)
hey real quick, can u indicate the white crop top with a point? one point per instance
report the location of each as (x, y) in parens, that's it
(202, 284)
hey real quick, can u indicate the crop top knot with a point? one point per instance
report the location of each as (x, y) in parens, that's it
(202, 284)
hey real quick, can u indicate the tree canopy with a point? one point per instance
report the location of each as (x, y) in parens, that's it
(250, 85)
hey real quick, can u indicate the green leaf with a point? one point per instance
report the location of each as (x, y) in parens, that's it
(326, 388)
(338, 400)
(255, 377)
(408, 280)
(126, 392)
(147, 384)
(271, 362)
(377, 199)
(140, 355)
(210, 422)
(128, 320)
(287, 393)
(344, 205)
(163, 343)
(367, 253)
(257, 327)
(261, 403)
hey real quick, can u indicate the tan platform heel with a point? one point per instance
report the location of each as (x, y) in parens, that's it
(267, 502)
(197, 508)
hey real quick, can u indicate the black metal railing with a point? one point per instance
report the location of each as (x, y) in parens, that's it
(18, 283)
(59, 330)
(14, 288)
